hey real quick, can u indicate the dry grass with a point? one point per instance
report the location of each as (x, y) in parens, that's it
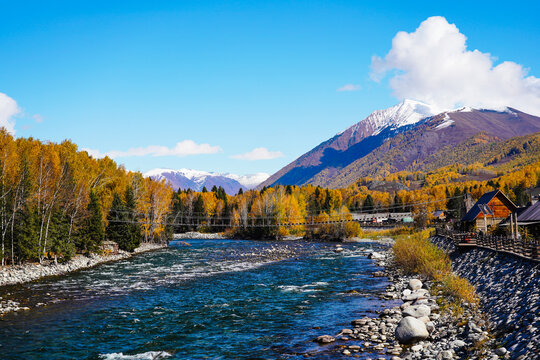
(402, 230)
(415, 254)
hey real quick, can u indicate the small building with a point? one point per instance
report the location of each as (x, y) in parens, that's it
(109, 248)
(529, 218)
(492, 208)
(439, 215)
(407, 219)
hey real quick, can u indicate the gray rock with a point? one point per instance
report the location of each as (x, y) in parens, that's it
(415, 284)
(376, 256)
(417, 311)
(325, 339)
(457, 344)
(410, 330)
(501, 351)
(415, 295)
(445, 355)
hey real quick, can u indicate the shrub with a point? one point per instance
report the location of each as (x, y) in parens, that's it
(415, 254)
(459, 289)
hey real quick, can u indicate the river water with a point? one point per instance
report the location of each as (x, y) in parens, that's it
(214, 299)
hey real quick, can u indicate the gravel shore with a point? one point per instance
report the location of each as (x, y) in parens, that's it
(418, 328)
(19, 274)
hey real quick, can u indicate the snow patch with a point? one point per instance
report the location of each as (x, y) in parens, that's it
(408, 112)
(446, 122)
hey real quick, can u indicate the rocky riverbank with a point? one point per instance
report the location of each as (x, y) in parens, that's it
(509, 287)
(19, 274)
(198, 235)
(420, 328)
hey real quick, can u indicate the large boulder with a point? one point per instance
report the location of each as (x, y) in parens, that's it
(376, 256)
(415, 284)
(416, 295)
(410, 330)
(417, 311)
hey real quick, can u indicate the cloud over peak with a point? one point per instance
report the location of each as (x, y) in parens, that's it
(432, 64)
(260, 153)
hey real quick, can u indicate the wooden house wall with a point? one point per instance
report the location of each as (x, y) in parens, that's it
(500, 211)
(491, 221)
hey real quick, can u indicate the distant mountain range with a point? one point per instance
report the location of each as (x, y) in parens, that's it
(196, 180)
(409, 136)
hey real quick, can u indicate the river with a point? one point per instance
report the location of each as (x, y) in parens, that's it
(211, 299)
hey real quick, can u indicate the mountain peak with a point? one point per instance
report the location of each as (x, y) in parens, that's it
(407, 112)
(373, 145)
(197, 179)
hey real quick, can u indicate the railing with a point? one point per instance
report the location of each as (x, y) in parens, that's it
(526, 248)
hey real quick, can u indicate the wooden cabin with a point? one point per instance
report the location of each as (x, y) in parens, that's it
(109, 248)
(492, 208)
(439, 215)
(529, 219)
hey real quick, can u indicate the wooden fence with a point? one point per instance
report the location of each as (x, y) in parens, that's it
(526, 248)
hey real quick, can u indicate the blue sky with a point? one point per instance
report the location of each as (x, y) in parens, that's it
(225, 78)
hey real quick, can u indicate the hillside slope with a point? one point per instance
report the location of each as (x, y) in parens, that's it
(434, 140)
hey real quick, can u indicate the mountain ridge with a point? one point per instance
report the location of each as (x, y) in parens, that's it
(396, 138)
(197, 179)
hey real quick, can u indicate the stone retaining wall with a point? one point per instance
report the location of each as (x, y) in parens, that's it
(509, 287)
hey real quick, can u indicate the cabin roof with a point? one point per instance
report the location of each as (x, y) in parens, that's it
(482, 205)
(530, 214)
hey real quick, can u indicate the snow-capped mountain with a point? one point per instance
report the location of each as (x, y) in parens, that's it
(196, 179)
(396, 138)
(408, 112)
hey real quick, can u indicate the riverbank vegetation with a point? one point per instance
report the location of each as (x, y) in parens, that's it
(56, 201)
(415, 254)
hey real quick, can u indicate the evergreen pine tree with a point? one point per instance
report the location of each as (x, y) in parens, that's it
(133, 226)
(240, 191)
(58, 235)
(93, 233)
(198, 208)
(26, 233)
(117, 230)
(368, 204)
(398, 204)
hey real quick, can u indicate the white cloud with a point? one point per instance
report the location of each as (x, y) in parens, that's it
(38, 118)
(8, 109)
(181, 149)
(259, 154)
(349, 87)
(433, 65)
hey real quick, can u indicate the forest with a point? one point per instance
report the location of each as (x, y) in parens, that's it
(57, 201)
